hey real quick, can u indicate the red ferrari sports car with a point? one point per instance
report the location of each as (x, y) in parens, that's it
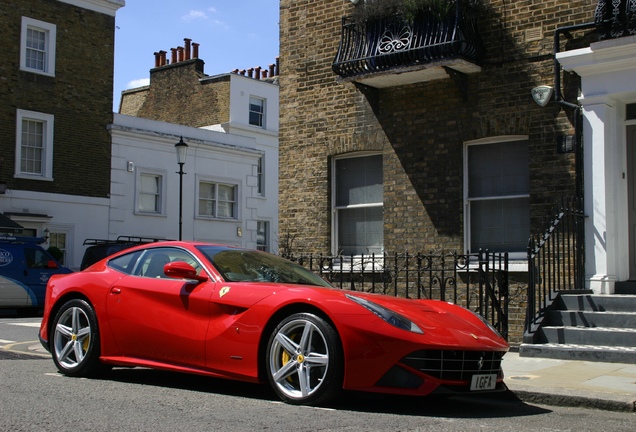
(248, 315)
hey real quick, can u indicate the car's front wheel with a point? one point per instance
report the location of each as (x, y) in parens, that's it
(75, 339)
(304, 360)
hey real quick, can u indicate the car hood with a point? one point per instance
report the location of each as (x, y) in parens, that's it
(441, 321)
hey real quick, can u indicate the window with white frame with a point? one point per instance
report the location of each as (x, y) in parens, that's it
(58, 240)
(358, 205)
(262, 236)
(498, 195)
(217, 200)
(150, 192)
(257, 112)
(37, 46)
(34, 145)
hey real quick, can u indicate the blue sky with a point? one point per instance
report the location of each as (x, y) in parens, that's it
(233, 34)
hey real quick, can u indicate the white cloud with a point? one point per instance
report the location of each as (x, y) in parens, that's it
(138, 83)
(194, 15)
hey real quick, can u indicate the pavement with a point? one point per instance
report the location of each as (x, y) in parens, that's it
(596, 385)
(574, 383)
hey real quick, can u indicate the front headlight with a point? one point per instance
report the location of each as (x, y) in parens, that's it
(393, 318)
(485, 321)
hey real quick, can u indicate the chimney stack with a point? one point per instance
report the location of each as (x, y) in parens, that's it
(187, 48)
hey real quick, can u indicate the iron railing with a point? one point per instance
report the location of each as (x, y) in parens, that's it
(556, 262)
(396, 42)
(615, 18)
(477, 281)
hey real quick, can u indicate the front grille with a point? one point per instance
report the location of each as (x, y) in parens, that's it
(454, 365)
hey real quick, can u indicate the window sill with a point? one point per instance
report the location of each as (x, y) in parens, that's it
(142, 213)
(37, 72)
(514, 266)
(32, 177)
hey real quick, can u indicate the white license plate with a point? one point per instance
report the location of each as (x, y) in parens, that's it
(483, 382)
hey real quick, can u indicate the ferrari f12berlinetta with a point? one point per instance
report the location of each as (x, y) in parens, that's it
(247, 315)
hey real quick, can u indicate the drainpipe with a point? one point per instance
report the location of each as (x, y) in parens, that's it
(558, 98)
(557, 67)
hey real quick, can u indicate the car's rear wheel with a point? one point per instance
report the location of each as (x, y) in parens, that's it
(75, 339)
(304, 360)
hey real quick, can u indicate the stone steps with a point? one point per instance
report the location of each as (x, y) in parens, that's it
(587, 327)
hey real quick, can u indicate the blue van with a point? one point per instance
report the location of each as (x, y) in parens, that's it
(25, 268)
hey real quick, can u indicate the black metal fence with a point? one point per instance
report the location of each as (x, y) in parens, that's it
(476, 281)
(556, 262)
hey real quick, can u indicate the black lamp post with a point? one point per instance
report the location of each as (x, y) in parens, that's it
(182, 150)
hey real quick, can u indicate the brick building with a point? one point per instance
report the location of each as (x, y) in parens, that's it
(386, 149)
(56, 105)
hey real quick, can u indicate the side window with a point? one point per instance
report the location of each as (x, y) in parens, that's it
(498, 196)
(37, 47)
(36, 258)
(257, 112)
(125, 263)
(34, 145)
(150, 192)
(152, 262)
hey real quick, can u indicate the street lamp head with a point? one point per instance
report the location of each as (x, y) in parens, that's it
(182, 150)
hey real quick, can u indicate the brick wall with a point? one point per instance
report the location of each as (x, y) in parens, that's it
(79, 96)
(420, 129)
(177, 95)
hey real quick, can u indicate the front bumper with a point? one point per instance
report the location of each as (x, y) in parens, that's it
(44, 343)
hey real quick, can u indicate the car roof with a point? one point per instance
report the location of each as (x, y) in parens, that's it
(21, 240)
(177, 243)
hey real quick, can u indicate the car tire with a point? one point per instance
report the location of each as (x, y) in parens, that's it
(75, 343)
(304, 363)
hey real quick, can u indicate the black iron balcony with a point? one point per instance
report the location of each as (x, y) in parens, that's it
(615, 18)
(391, 51)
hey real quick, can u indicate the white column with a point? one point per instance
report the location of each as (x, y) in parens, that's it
(602, 242)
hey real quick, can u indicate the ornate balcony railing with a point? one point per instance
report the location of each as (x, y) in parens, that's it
(395, 44)
(615, 18)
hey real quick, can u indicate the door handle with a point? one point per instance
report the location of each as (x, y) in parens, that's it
(115, 291)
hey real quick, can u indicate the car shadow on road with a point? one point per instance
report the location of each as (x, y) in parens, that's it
(497, 405)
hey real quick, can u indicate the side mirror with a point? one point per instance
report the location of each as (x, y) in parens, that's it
(183, 270)
(51, 264)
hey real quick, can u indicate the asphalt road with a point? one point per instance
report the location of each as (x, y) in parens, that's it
(34, 397)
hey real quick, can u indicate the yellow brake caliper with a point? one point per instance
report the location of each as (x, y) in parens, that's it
(286, 358)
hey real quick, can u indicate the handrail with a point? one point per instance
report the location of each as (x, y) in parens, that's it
(556, 262)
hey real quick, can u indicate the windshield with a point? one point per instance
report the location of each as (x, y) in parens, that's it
(244, 265)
